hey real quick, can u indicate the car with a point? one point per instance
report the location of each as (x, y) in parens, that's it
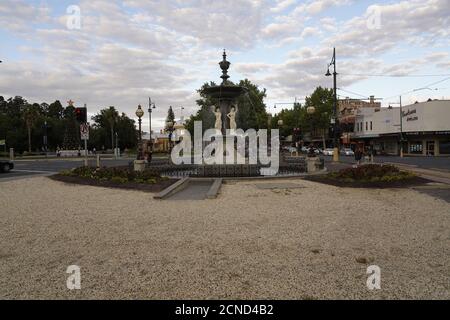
(317, 151)
(328, 152)
(6, 166)
(347, 152)
(291, 149)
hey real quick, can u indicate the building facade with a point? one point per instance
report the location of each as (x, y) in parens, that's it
(347, 112)
(422, 129)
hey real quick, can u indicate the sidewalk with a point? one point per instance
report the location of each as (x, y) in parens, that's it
(433, 175)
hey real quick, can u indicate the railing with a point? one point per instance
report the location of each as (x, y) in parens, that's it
(233, 170)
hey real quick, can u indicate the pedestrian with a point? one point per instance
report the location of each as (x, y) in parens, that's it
(358, 156)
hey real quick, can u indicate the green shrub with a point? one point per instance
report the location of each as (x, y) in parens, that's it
(115, 174)
(119, 180)
(371, 173)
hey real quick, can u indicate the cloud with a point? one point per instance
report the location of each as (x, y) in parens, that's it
(128, 50)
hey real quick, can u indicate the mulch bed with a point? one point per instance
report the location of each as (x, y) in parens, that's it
(407, 183)
(153, 188)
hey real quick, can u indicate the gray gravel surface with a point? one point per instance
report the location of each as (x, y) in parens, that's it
(314, 242)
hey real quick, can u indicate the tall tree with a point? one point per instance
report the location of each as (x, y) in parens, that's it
(170, 117)
(106, 122)
(55, 110)
(30, 115)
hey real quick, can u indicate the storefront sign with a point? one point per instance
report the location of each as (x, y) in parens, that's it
(411, 115)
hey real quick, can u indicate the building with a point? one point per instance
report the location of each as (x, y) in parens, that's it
(423, 129)
(347, 111)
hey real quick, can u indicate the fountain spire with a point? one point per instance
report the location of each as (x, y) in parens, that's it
(224, 65)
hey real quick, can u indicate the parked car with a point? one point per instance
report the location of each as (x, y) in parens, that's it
(328, 152)
(292, 149)
(347, 152)
(6, 166)
(317, 151)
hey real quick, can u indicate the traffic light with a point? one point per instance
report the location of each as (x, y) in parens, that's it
(81, 115)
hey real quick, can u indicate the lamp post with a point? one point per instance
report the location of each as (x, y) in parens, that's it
(311, 111)
(140, 114)
(335, 102)
(151, 106)
(170, 125)
(45, 136)
(280, 126)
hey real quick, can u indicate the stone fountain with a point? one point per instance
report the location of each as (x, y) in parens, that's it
(227, 94)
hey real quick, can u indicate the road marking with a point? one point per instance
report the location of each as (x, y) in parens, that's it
(34, 171)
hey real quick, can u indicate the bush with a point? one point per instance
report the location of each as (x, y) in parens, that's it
(371, 173)
(115, 174)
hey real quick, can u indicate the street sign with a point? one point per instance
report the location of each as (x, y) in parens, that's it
(84, 130)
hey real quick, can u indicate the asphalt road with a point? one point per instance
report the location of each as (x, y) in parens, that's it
(438, 163)
(24, 168)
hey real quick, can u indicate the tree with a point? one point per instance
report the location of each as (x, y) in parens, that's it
(170, 117)
(322, 99)
(106, 122)
(30, 115)
(55, 110)
(71, 139)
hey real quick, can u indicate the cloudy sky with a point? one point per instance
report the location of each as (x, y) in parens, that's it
(121, 52)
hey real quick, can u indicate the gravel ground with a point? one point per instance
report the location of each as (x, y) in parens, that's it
(254, 243)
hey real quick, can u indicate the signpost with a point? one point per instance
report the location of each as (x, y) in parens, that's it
(84, 130)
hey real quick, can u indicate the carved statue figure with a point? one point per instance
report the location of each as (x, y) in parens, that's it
(232, 117)
(218, 114)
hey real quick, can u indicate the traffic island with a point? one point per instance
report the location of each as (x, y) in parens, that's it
(116, 177)
(370, 176)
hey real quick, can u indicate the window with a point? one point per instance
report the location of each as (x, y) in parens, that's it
(367, 126)
(444, 147)
(371, 127)
(416, 147)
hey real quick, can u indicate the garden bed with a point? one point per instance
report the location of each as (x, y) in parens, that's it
(118, 177)
(370, 176)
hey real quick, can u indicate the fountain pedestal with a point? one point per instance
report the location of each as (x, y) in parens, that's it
(312, 164)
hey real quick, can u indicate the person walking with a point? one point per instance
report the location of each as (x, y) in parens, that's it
(358, 156)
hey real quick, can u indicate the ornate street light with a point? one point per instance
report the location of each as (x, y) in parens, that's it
(311, 111)
(170, 125)
(140, 114)
(335, 102)
(151, 106)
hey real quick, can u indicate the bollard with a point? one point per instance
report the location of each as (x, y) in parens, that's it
(11, 154)
(98, 161)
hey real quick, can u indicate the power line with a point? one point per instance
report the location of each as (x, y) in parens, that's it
(354, 93)
(394, 75)
(412, 91)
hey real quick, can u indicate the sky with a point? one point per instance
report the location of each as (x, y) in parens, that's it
(119, 53)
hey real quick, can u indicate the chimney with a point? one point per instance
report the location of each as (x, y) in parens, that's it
(372, 99)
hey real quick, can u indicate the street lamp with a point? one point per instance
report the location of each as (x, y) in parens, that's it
(140, 114)
(170, 125)
(328, 74)
(151, 106)
(311, 111)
